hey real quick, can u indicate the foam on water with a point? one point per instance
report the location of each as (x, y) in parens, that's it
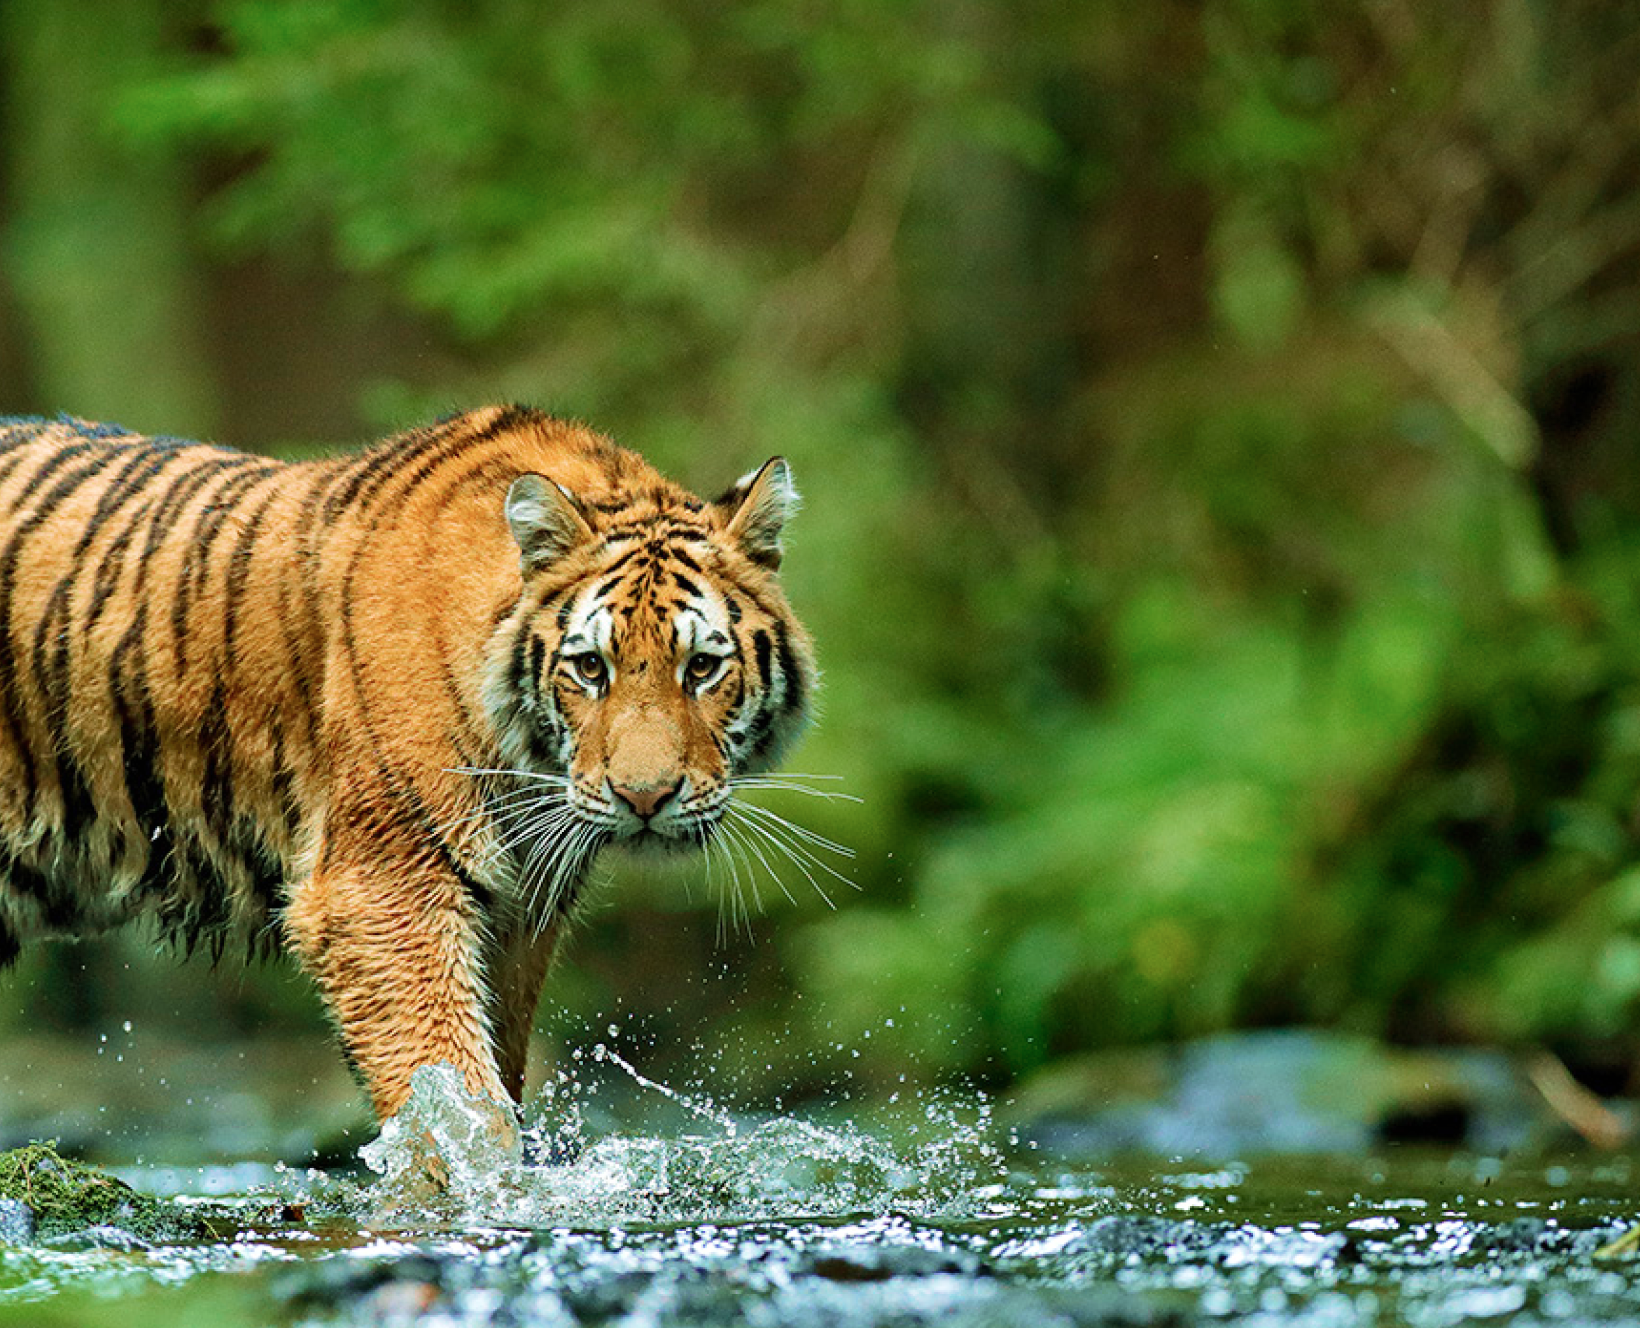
(447, 1158)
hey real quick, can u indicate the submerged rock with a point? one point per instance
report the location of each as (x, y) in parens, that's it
(861, 1263)
(46, 1197)
(1282, 1091)
(62, 1197)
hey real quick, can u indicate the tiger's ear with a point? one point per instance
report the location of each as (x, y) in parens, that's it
(545, 519)
(758, 508)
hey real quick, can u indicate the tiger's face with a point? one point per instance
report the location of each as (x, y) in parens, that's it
(653, 659)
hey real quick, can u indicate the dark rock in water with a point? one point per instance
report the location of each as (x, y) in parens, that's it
(605, 1298)
(1524, 1235)
(69, 1200)
(1538, 1237)
(16, 1222)
(324, 1286)
(860, 1263)
(1285, 1091)
(66, 1197)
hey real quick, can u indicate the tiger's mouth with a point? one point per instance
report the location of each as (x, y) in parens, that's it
(682, 833)
(682, 818)
(653, 841)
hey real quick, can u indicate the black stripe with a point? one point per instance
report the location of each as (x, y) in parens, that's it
(518, 671)
(790, 671)
(263, 866)
(196, 569)
(133, 704)
(284, 782)
(176, 495)
(423, 823)
(112, 566)
(10, 464)
(369, 470)
(363, 481)
(763, 650)
(790, 700)
(216, 793)
(538, 657)
(51, 676)
(56, 904)
(50, 466)
(453, 693)
(298, 618)
(239, 570)
(10, 699)
(53, 673)
(123, 486)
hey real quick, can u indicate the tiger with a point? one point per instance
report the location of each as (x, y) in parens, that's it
(379, 709)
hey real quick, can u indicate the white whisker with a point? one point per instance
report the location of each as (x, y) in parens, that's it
(755, 782)
(802, 832)
(733, 901)
(546, 827)
(751, 842)
(787, 851)
(747, 851)
(779, 835)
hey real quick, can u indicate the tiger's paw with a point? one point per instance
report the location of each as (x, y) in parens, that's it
(445, 1146)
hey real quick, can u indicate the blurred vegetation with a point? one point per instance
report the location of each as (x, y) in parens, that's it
(1220, 424)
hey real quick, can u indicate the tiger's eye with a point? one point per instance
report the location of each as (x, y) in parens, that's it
(700, 668)
(590, 668)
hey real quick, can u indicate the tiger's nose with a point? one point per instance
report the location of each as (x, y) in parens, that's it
(648, 800)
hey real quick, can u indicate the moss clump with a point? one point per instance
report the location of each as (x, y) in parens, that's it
(67, 1197)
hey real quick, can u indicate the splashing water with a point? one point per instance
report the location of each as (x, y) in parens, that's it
(793, 1222)
(447, 1158)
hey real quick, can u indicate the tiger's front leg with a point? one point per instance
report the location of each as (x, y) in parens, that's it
(396, 948)
(520, 971)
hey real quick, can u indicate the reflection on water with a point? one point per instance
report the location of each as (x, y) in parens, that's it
(932, 1217)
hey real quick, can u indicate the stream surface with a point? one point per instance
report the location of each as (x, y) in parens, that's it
(931, 1215)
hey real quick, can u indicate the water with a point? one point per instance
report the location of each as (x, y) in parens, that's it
(929, 1215)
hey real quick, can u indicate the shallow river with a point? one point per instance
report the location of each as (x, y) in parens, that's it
(930, 1216)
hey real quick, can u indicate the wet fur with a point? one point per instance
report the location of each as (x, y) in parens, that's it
(241, 698)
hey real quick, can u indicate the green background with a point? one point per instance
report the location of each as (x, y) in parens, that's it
(1218, 424)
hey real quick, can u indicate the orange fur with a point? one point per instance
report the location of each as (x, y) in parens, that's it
(253, 699)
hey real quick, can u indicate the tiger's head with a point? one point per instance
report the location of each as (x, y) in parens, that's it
(651, 661)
